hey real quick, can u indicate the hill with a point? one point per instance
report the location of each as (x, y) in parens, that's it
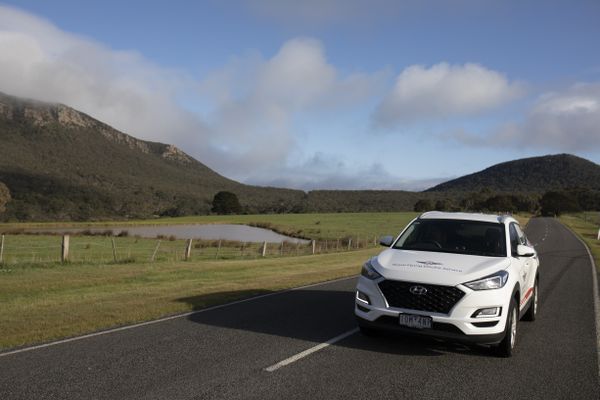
(59, 163)
(529, 175)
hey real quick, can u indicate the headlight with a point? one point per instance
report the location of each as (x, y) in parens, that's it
(369, 272)
(495, 281)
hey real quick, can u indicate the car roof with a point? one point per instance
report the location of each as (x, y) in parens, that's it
(466, 216)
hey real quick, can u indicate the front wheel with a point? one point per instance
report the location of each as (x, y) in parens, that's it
(507, 346)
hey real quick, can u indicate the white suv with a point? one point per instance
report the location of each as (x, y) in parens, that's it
(458, 276)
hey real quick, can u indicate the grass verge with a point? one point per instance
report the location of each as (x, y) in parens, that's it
(43, 303)
(586, 225)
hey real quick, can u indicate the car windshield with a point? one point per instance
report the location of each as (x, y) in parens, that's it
(454, 236)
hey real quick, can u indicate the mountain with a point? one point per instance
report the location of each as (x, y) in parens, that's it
(533, 175)
(59, 163)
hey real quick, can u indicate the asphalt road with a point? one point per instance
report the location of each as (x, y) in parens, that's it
(223, 353)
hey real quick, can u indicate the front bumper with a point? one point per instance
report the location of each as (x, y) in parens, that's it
(457, 325)
(439, 330)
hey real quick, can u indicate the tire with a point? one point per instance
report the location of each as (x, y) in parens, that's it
(506, 347)
(366, 331)
(532, 311)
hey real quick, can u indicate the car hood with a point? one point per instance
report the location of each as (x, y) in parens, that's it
(435, 267)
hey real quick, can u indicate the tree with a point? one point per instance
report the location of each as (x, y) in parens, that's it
(423, 205)
(442, 205)
(4, 196)
(226, 203)
(501, 203)
(587, 199)
(556, 203)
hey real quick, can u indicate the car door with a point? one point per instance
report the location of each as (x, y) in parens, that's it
(520, 262)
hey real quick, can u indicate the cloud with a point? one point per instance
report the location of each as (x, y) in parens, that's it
(327, 171)
(248, 107)
(259, 100)
(567, 120)
(118, 87)
(444, 90)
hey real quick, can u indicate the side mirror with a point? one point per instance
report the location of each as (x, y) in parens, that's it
(386, 241)
(525, 251)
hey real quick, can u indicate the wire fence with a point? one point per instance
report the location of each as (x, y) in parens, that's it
(40, 249)
(591, 217)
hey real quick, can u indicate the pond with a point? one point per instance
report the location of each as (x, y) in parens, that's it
(239, 233)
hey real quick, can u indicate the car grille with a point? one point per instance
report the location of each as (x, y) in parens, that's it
(438, 299)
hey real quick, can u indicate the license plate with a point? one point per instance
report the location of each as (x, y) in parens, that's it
(415, 321)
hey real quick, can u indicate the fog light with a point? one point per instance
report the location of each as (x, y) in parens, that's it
(487, 312)
(360, 296)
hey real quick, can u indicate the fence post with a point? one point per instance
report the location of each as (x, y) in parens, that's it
(188, 250)
(114, 249)
(264, 249)
(357, 241)
(598, 238)
(349, 244)
(218, 250)
(64, 254)
(243, 245)
(281, 249)
(1, 248)
(155, 250)
(313, 247)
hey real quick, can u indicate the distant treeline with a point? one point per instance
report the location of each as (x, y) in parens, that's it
(64, 203)
(548, 203)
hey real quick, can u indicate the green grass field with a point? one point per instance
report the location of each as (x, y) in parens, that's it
(586, 225)
(44, 249)
(332, 232)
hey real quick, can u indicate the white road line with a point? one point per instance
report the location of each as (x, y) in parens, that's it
(596, 296)
(156, 321)
(308, 352)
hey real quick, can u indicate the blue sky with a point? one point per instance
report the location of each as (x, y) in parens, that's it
(321, 94)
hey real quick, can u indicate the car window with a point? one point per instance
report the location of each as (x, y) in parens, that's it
(521, 235)
(409, 234)
(514, 238)
(454, 236)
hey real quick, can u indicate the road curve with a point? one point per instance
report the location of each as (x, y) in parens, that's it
(223, 353)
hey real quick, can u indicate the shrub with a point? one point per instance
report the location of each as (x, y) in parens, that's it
(556, 203)
(226, 203)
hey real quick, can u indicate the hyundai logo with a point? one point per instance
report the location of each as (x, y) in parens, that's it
(418, 290)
